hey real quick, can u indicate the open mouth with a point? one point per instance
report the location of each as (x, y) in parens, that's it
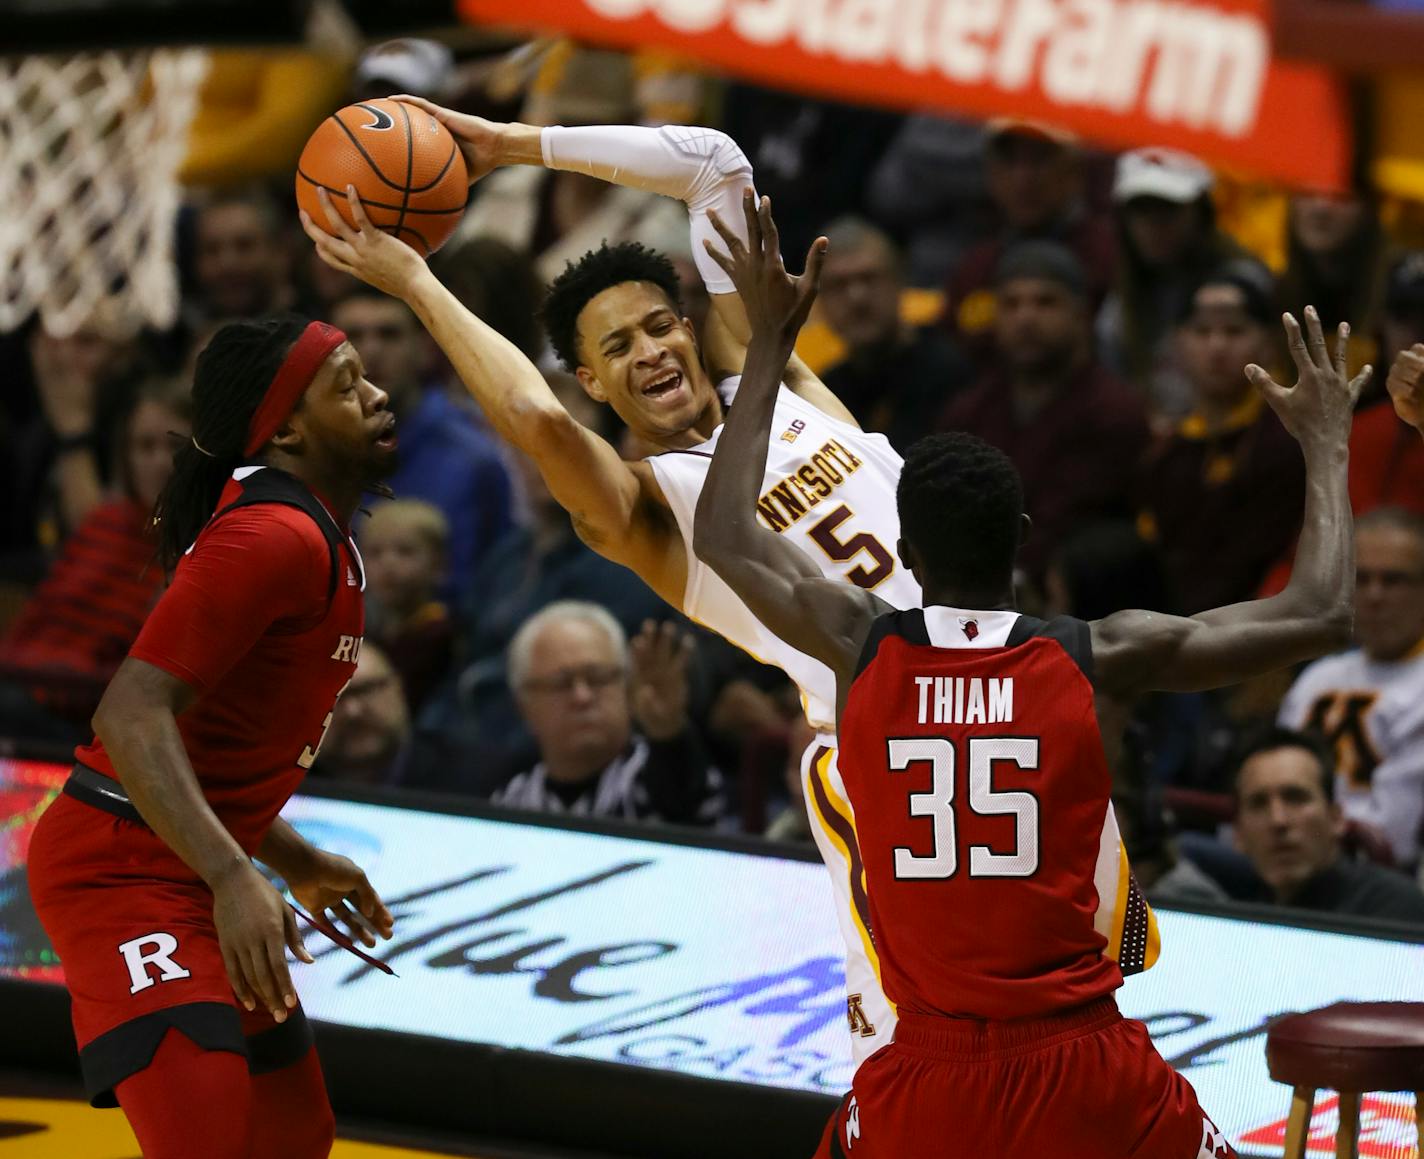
(387, 438)
(664, 385)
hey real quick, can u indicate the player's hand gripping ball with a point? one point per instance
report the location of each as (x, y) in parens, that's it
(407, 169)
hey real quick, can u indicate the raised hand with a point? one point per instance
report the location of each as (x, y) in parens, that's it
(1406, 386)
(367, 252)
(1321, 405)
(481, 141)
(776, 302)
(661, 655)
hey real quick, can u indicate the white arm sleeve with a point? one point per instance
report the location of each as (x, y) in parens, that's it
(702, 167)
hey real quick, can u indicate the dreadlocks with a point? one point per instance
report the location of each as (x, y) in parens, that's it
(232, 376)
(585, 279)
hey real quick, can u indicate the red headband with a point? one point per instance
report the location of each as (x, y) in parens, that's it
(293, 377)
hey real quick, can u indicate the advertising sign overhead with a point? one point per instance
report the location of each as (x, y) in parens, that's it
(1198, 75)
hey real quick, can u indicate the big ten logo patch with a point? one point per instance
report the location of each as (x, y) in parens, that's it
(155, 949)
(1387, 1129)
(791, 433)
(855, 1012)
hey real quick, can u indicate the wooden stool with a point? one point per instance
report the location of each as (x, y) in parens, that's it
(1353, 1048)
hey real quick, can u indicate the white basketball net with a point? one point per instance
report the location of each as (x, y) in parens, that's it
(89, 151)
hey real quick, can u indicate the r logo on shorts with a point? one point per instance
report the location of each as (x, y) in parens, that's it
(852, 1125)
(163, 947)
(1214, 1144)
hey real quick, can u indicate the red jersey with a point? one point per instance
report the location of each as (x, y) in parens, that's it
(264, 619)
(973, 763)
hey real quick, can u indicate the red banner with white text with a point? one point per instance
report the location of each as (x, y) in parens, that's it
(1198, 75)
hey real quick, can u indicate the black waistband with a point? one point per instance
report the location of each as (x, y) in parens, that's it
(101, 792)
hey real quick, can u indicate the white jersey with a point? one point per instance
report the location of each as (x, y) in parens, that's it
(830, 488)
(1373, 714)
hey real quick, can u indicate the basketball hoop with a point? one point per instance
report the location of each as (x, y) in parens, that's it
(91, 144)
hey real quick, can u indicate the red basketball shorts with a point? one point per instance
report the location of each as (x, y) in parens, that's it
(133, 927)
(1087, 1084)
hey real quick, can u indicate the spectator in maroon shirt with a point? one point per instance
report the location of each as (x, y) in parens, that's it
(1034, 174)
(77, 626)
(1075, 433)
(1223, 493)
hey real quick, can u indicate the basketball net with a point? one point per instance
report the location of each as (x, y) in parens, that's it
(91, 146)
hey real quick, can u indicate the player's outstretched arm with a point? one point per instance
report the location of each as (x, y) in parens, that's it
(783, 587)
(1138, 650)
(703, 168)
(616, 507)
(1406, 386)
(137, 720)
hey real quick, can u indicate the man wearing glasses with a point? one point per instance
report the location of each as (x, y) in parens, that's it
(610, 720)
(1369, 702)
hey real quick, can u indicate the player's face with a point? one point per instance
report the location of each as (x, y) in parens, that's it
(574, 696)
(1389, 591)
(388, 339)
(1217, 341)
(239, 264)
(641, 358)
(860, 295)
(1038, 324)
(1284, 823)
(343, 421)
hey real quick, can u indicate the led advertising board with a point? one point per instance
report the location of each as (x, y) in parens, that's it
(726, 965)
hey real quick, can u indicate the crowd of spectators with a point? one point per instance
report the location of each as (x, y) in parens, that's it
(1089, 314)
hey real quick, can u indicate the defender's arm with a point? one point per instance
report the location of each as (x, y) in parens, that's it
(1313, 615)
(824, 618)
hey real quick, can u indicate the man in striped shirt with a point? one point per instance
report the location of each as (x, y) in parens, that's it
(611, 721)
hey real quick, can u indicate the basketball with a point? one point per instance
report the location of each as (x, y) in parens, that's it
(405, 165)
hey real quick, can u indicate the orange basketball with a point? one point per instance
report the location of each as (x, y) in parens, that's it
(407, 169)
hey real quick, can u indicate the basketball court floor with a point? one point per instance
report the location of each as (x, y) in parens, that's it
(47, 1119)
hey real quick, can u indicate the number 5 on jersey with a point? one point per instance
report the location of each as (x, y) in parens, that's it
(938, 806)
